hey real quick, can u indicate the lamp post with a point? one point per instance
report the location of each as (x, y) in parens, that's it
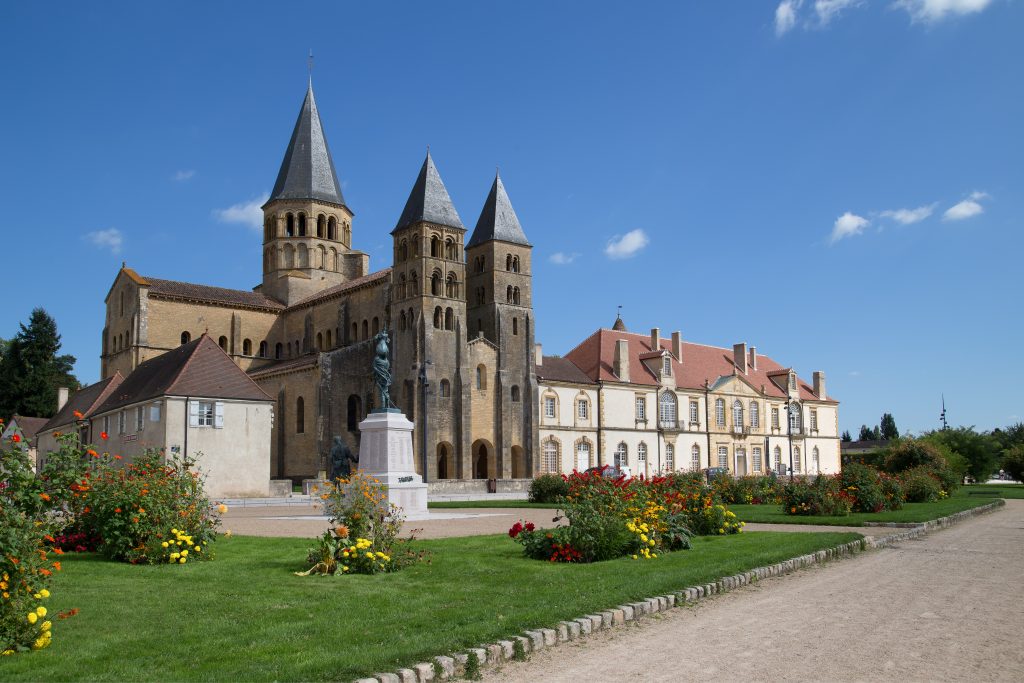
(424, 383)
(789, 434)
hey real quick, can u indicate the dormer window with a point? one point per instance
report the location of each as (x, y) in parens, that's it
(666, 365)
(792, 381)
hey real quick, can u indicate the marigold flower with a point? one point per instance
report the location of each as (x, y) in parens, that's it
(56, 565)
(32, 617)
(78, 415)
(222, 508)
(103, 435)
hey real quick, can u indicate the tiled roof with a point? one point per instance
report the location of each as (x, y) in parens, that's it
(595, 356)
(206, 293)
(200, 368)
(344, 287)
(29, 426)
(558, 369)
(309, 359)
(85, 401)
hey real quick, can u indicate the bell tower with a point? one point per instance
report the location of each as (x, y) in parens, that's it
(307, 226)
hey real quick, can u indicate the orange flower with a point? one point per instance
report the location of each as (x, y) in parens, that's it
(45, 496)
(58, 551)
(93, 453)
(45, 572)
(117, 457)
(15, 438)
(78, 415)
(103, 435)
(49, 538)
(117, 510)
(56, 565)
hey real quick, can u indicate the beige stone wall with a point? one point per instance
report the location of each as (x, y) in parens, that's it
(293, 453)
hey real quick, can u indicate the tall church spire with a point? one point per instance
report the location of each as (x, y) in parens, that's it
(429, 201)
(498, 219)
(307, 171)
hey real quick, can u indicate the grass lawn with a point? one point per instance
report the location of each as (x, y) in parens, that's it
(994, 490)
(245, 616)
(911, 512)
(457, 504)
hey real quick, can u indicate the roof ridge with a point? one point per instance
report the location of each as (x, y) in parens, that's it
(188, 361)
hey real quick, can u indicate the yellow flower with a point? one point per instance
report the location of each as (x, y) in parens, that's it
(184, 553)
(635, 557)
(174, 531)
(32, 617)
(38, 596)
(41, 611)
(164, 544)
(181, 561)
(174, 556)
(8, 653)
(47, 625)
(227, 534)
(222, 508)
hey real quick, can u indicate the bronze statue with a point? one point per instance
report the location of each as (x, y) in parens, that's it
(342, 460)
(382, 370)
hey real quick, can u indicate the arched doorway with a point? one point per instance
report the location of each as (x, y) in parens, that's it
(444, 461)
(518, 463)
(483, 459)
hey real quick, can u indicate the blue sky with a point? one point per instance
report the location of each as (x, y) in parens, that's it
(835, 182)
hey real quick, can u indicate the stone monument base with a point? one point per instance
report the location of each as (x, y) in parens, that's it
(385, 453)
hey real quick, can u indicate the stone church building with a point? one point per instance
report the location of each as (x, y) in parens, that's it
(459, 314)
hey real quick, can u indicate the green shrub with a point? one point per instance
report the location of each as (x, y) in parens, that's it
(921, 485)
(823, 495)
(893, 491)
(863, 484)
(1013, 462)
(548, 488)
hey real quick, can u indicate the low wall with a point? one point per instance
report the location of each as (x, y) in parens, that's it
(474, 486)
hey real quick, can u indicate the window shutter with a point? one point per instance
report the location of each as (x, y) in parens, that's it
(193, 413)
(218, 415)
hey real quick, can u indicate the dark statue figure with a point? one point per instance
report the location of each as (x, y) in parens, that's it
(342, 460)
(382, 371)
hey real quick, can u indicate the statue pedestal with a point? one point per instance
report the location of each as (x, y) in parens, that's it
(385, 453)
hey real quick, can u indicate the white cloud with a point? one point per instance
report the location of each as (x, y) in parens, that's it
(827, 10)
(785, 16)
(978, 196)
(910, 216)
(847, 225)
(110, 238)
(561, 258)
(247, 213)
(965, 209)
(625, 246)
(930, 11)
(182, 176)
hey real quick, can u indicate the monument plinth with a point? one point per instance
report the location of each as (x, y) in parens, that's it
(385, 453)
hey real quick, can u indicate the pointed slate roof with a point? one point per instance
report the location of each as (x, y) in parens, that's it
(498, 219)
(307, 171)
(199, 369)
(429, 201)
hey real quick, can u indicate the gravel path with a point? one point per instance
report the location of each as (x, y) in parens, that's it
(944, 607)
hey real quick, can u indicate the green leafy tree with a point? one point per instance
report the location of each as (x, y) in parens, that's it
(865, 434)
(31, 371)
(1013, 462)
(887, 428)
(980, 451)
(846, 436)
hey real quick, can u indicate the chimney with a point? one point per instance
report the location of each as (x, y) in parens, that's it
(620, 365)
(819, 383)
(753, 358)
(655, 339)
(538, 355)
(677, 346)
(739, 356)
(62, 397)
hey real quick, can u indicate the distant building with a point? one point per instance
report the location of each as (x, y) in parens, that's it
(26, 428)
(857, 451)
(657, 405)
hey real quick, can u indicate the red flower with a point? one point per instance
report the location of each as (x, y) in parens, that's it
(117, 510)
(529, 526)
(103, 435)
(15, 438)
(516, 529)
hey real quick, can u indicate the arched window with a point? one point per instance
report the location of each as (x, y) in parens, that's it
(303, 256)
(695, 458)
(278, 349)
(263, 349)
(375, 326)
(302, 225)
(777, 457)
(451, 286)
(515, 295)
(355, 332)
(401, 285)
(435, 246)
(796, 459)
(289, 225)
(508, 294)
(223, 342)
(414, 242)
(414, 284)
(289, 349)
(329, 344)
(403, 251)
(515, 393)
(321, 226)
(435, 284)
(621, 455)
(354, 413)
(332, 228)
(246, 347)
(289, 256)
(300, 415)
(321, 258)
(737, 413)
(268, 229)
(449, 319)
(755, 415)
(582, 408)
(449, 250)
(401, 321)
(667, 410)
(719, 412)
(443, 457)
(549, 457)
(794, 417)
(481, 377)
(582, 455)
(366, 330)
(446, 388)
(508, 262)
(515, 325)
(479, 264)
(333, 260)
(515, 264)
(641, 455)
(319, 340)
(670, 458)
(815, 460)
(438, 318)
(185, 338)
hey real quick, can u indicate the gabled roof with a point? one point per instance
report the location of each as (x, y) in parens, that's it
(595, 357)
(307, 171)
(215, 295)
(85, 401)
(29, 426)
(498, 220)
(558, 369)
(429, 201)
(199, 369)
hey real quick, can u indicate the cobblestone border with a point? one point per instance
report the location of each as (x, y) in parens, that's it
(447, 667)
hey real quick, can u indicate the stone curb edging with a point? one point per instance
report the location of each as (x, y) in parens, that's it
(541, 638)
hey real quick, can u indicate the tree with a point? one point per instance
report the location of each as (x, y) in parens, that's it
(846, 436)
(981, 451)
(869, 433)
(888, 429)
(1013, 462)
(31, 371)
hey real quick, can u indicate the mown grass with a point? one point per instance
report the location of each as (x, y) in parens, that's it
(911, 512)
(462, 504)
(1007, 490)
(245, 616)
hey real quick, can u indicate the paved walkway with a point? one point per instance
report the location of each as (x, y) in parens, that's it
(944, 607)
